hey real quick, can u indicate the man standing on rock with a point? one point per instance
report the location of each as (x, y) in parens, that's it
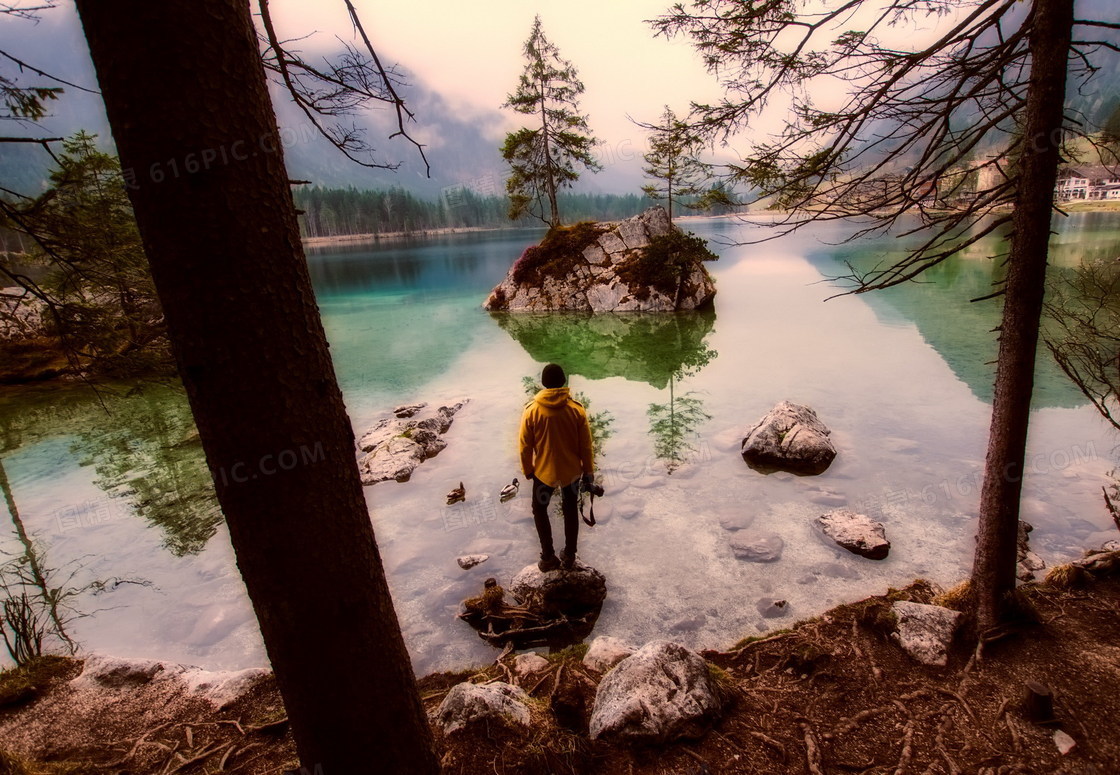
(556, 452)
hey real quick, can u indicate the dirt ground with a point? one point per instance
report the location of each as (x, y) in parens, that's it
(832, 695)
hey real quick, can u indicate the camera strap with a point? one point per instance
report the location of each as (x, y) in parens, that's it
(589, 518)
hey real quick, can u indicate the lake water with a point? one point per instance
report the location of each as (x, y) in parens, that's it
(112, 491)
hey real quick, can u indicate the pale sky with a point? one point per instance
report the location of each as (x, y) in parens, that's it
(471, 52)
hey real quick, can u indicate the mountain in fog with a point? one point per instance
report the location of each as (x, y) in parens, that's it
(462, 142)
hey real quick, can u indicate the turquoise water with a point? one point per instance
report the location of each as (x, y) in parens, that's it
(114, 490)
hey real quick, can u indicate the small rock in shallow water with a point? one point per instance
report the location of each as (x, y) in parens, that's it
(688, 623)
(836, 570)
(771, 608)
(738, 521)
(824, 497)
(468, 561)
(857, 533)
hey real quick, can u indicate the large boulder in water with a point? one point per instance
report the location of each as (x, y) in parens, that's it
(789, 438)
(572, 593)
(393, 447)
(639, 264)
(661, 693)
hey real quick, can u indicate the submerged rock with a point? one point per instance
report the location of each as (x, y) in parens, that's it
(925, 631)
(468, 561)
(857, 533)
(469, 703)
(757, 547)
(400, 442)
(789, 438)
(608, 267)
(661, 693)
(736, 521)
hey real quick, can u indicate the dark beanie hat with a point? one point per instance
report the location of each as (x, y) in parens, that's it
(553, 376)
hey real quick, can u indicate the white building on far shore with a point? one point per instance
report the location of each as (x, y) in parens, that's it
(1088, 182)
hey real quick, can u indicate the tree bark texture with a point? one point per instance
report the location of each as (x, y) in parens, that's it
(993, 573)
(187, 100)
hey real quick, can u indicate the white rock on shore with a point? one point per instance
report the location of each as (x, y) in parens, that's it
(925, 631)
(661, 693)
(469, 703)
(220, 688)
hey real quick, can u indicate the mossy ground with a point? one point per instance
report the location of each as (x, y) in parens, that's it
(665, 263)
(833, 694)
(557, 254)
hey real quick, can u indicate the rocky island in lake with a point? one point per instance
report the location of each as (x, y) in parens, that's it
(641, 264)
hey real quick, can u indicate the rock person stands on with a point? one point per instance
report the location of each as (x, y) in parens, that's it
(556, 452)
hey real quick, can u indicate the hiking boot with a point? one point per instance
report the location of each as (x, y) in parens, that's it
(548, 562)
(567, 560)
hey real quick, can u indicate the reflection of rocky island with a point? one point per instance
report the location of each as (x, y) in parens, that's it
(639, 347)
(642, 264)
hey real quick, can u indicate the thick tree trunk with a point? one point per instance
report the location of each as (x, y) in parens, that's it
(993, 573)
(550, 173)
(186, 97)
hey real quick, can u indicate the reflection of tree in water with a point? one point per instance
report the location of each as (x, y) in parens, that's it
(640, 347)
(37, 601)
(26, 571)
(673, 426)
(147, 451)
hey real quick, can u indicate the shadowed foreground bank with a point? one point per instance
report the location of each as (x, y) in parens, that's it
(834, 694)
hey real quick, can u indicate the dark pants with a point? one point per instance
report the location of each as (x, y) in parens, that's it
(542, 496)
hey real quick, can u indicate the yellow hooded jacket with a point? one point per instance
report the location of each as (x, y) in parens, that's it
(555, 438)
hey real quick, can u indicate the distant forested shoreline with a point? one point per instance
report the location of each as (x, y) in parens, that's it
(332, 212)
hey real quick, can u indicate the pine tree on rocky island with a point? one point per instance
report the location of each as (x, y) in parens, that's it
(674, 167)
(543, 159)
